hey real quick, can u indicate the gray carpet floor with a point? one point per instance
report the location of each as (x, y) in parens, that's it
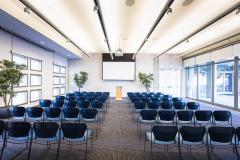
(118, 139)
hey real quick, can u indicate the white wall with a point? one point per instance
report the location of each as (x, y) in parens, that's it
(10, 43)
(93, 66)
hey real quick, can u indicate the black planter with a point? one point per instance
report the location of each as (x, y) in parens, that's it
(4, 113)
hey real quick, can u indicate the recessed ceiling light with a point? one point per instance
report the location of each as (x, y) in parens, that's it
(238, 11)
(95, 9)
(169, 11)
(27, 10)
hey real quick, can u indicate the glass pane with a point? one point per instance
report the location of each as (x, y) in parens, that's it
(24, 81)
(56, 68)
(20, 98)
(205, 83)
(56, 91)
(63, 70)
(36, 65)
(62, 90)
(56, 80)
(35, 95)
(192, 82)
(18, 59)
(224, 76)
(63, 80)
(36, 80)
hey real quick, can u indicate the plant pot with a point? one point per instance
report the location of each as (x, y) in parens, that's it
(5, 113)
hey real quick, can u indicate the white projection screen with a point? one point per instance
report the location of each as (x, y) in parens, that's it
(118, 70)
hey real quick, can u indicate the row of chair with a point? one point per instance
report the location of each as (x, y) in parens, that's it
(194, 136)
(44, 133)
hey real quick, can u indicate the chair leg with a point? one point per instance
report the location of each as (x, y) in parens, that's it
(86, 148)
(59, 142)
(144, 142)
(151, 151)
(3, 147)
(29, 150)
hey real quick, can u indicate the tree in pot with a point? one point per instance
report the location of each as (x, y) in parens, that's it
(146, 80)
(10, 76)
(80, 79)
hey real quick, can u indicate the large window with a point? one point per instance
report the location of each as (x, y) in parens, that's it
(192, 82)
(20, 98)
(205, 82)
(224, 83)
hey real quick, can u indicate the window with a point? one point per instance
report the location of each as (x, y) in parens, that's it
(62, 90)
(62, 70)
(63, 80)
(56, 80)
(20, 98)
(35, 65)
(35, 80)
(56, 68)
(19, 59)
(35, 95)
(224, 83)
(205, 82)
(56, 91)
(192, 82)
(24, 81)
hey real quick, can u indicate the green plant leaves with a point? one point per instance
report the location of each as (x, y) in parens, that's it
(146, 80)
(80, 79)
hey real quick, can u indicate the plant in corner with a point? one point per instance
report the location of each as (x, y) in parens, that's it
(80, 79)
(146, 80)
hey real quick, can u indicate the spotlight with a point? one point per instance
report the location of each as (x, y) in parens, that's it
(67, 39)
(27, 10)
(169, 11)
(238, 11)
(95, 9)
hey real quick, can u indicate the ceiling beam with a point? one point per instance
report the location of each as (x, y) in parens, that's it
(100, 17)
(34, 10)
(159, 18)
(223, 14)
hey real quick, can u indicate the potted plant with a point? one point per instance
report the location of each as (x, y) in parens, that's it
(146, 80)
(80, 79)
(10, 76)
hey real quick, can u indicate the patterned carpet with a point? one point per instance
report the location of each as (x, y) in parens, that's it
(118, 139)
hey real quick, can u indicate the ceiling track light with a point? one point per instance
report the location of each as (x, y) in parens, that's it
(95, 9)
(169, 11)
(27, 10)
(238, 11)
(68, 40)
(187, 40)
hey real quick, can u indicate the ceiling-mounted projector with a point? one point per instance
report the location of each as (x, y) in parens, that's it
(118, 53)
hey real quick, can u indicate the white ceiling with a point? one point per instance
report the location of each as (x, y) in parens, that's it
(129, 24)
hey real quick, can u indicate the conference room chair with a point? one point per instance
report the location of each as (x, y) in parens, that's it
(104, 99)
(69, 94)
(70, 103)
(137, 107)
(146, 99)
(179, 105)
(166, 117)
(2, 136)
(80, 98)
(154, 105)
(90, 98)
(83, 104)
(58, 103)
(138, 94)
(166, 99)
(90, 116)
(203, 117)
(162, 135)
(237, 140)
(222, 117)
(148, 117)
(155, 98)
(185, 118)
(167, 96)
(34, 113)
(76, 93)
(45, 133)
(76, 134)
(52, 114)
(193, 137)
(18, 113)
(176, 99)
(45, 103)
(100, 107)
(70, 114)
(18, 132)
(193, 106)
(70, 98)
(62, 98)
(166, 105)
(221, 137)
(98, 94)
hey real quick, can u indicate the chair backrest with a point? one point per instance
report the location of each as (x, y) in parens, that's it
(221, 115)
(154, 104)
(58, 103)
(88, 113)
(106, 94)
(167, 115)
(135, 99)
(70, 98)
(203, 115)
(139, 105)
(179, 105)
(2, 127)
(193, 106)
(165, 133)
(148, 114)
(221, 134)
(70, 94)
(34, 112)
(83, 104)
(166, 104)
(155, 98)
(53, 112)
(70, 112)
(70, 103)
(80, 98)
(90, 98)
(62, 98)
(193, 133)
(45, 129)
(45, 102)
(73, 130)
(166, 99)
(17, 111)
(185, 115)
(18, 129)
(97, 104)
(175, 99)
(146, 99)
